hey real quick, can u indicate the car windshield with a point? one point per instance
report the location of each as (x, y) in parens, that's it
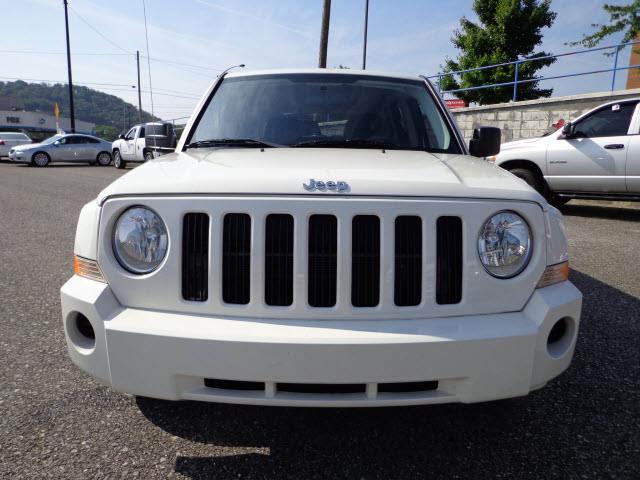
(49, 140)
(324, 111)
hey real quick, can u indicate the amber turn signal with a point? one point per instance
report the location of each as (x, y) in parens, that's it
(554, 274)
(88, 269)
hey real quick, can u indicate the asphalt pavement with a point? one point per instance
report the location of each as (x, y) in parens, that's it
(56, 422)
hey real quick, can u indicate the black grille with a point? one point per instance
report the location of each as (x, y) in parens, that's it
(236, 258)
(449, 261)
(365, 261)
(405, 387)
(278, 263)
(323, 248)
(408, 262)
(232, 384)
(195, 257)
(326, 388)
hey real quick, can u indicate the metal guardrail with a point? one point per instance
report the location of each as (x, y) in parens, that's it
(516, 81)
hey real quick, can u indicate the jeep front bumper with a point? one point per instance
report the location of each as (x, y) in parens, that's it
(169, 355)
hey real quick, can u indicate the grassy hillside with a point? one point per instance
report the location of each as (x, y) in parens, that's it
(106, 111)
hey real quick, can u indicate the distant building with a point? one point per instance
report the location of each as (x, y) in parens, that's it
(633, 74)
(37, 125)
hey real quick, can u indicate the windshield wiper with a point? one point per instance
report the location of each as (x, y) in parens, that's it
(344, 143)
(230, 142)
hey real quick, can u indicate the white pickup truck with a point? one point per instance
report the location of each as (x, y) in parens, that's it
(143, 142)
(595, 156)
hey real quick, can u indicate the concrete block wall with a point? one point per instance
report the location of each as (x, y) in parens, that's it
(532, 118)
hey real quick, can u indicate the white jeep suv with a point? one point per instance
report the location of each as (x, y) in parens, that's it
(322, 238)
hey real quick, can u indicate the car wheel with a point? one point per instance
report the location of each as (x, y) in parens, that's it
(104, 159)
(40, 159)
(148, 155)
(530, 177)
(118, 162)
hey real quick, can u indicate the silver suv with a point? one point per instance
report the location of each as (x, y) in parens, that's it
(595, 156)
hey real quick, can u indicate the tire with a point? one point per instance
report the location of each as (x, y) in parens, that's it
(148, 155)
(530, 177)
(40, 159)
(103, 159)
(118, 162)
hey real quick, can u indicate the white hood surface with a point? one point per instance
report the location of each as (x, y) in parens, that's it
(282, 171)
(522, 143)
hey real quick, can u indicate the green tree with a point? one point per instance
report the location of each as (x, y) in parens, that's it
(107, 132)
(90, 105)
(622, 18)
(508, 30)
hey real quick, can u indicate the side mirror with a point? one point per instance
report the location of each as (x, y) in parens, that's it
(56, 143)
(569, 130)
(485, 142)
(121, 137)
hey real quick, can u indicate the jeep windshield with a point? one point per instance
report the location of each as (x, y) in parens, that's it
(323, 110)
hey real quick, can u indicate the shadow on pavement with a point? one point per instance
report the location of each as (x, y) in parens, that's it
(601, 211)
(583, 423)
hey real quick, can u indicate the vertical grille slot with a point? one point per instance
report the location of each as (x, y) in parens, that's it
(236, 258)
(323, 249)
(408, 261)
(278, 264)
(365, 261)
(195, 257)
(449, 260)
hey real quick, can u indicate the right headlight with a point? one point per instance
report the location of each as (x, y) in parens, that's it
(504, 244)
(140, 240)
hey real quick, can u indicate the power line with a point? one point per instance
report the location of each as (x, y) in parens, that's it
(146, 36)
(180, 93)
(103, 86)
(61, 81)
(100, 33)
(215, 69)
(182, 69)
(36, 52)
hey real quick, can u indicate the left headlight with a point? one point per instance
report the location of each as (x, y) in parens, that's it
(504, 244)
(140, 240)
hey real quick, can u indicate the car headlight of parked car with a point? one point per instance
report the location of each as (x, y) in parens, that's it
(140, 240)
(504, 244)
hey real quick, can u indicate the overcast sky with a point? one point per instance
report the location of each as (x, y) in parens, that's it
(206, 36)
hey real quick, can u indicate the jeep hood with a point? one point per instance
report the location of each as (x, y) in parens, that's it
(282, 171)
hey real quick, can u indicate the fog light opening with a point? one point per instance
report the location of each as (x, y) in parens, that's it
(560, 337)
(81, 331)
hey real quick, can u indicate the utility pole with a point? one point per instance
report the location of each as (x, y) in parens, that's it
(66, 24)
(366, 24)
(324, 34)
(139, 94)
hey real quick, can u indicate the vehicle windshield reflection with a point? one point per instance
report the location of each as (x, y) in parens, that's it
(327, 111)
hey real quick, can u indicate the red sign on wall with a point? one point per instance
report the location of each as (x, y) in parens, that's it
(456, 103)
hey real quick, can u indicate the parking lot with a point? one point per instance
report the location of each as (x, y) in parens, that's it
(55, 421)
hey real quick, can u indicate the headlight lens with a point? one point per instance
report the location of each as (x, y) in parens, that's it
(140, 240)
(504, 244)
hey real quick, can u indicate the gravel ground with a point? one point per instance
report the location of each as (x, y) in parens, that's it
(56, 422)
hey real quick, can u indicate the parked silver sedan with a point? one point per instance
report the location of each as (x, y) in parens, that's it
(64, 148)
